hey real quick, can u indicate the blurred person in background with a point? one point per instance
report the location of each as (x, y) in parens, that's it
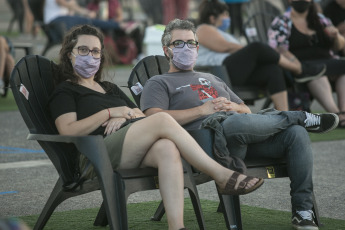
(335, 10)
(174, 9)
(6, 64)
(302, 34)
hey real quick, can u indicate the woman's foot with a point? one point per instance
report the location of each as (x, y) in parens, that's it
(239, 184)
(310, 72)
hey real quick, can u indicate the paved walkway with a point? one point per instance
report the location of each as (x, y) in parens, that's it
(27, 176)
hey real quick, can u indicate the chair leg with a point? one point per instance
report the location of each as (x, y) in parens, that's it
(56, 197)
(189, 183)
(197, 208)
(159, 212)
(230, 205)
(316, 212)
(101, 219)
(267, 103)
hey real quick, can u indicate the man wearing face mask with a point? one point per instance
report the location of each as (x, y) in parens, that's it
(194, 97)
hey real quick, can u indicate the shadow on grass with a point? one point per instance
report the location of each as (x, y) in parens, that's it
(139, 218)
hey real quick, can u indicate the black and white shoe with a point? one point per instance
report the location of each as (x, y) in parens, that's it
(320, 123)
(310, 72)
(304, 220)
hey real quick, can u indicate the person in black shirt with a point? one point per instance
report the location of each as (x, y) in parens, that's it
(82, 104)
(335, 10)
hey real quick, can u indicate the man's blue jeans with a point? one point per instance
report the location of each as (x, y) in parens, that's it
(276, 134)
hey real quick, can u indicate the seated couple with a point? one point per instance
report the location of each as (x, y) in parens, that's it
(83, 104)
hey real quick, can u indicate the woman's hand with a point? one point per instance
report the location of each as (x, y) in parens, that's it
(332, 31)
(122, 112)
(113, 124)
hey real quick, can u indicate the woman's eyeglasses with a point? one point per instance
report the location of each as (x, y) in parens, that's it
(83, 51)
(180, 44)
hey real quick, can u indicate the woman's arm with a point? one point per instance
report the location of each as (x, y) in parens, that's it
(210, 38)
(67, 124)
(339, 40)
(73, 5)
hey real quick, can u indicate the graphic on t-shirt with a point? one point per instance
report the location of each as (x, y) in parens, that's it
(205, 90)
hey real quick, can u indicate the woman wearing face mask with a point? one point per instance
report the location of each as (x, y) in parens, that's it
(83, 104)
(302, 34)
(254, 64)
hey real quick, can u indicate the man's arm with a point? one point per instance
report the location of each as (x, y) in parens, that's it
(188, 115)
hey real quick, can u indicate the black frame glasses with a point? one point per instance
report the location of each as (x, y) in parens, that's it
(84, 51)
(181, 44)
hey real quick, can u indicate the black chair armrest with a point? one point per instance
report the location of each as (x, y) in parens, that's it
(92, 147)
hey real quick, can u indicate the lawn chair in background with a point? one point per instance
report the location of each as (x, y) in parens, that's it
(264, 168)
(32, 82)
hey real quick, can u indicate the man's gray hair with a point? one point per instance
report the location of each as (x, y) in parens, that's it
(177, 24)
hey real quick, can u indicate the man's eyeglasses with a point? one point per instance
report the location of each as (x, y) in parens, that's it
(83, 51)
(180, 44)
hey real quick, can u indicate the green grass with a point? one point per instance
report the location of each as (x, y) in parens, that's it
(139, 218)
(8, 103)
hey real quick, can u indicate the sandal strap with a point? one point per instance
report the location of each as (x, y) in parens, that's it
(244, 182)
(232, 181)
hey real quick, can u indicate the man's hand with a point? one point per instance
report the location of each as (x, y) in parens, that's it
(216, 105)
(223, 104)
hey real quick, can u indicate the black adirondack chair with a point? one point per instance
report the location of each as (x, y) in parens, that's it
(32, 82)
(264, 168)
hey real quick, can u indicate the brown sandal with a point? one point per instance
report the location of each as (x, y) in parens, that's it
(241, 189)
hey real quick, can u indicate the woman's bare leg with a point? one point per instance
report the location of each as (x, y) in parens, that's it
(144, 133)
(3, 53)
(339, 88)
(9, 65)
(165, 156)
(158, 141)
(293, 66)
(321, 90)
(280, 101)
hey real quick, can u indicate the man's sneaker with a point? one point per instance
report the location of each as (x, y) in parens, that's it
(304, 220)
(320, 123)
(310, 72)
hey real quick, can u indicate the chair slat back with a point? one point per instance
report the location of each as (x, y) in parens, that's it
(144, 70)
(256, 27)
(35, 74)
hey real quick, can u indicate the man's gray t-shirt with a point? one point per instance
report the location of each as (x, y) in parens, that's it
(184, 90)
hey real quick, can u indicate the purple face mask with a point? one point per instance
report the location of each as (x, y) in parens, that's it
(184, 58)
(86, 66)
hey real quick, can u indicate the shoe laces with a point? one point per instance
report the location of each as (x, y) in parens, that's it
(306, 215)
(312, 120)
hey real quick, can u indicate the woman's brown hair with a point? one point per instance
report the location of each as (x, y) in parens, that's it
(209, 8)
(66, 71)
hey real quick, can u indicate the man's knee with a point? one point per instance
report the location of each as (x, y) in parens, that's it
(298, 133)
